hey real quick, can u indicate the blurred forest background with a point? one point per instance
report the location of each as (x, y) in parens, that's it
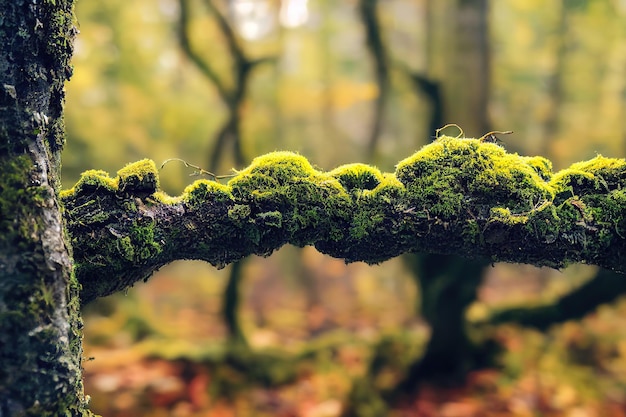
(217, 82)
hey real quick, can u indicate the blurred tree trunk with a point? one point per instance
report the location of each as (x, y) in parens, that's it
(230, 133)
(328, 109)
(448, 284)
(231, 300)
(40, 324)
(551, 123)
(233, 96)
(368, 10)
(467, 75)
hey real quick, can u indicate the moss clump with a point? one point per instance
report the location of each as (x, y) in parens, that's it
(599, 174)
(285, 182)
(282, 167)
(138, 177)
(240, 213)
(203, 191)
(91, 181)
(504, 215)
(270, 219)
(125, 248)
(164, 198)
(269, 175)
(144, 240)
(448, 174)
(389, 188)
(357, 177)
(541, 165)
(572, 182)
(610, 212)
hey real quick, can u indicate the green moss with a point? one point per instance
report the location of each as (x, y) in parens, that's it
(598, 174)
(164, 198)
(572, 182)
(285, 183)
(205, 191)
(471, 232)
(239, 213)
(144, 239)
(612, 212)
(267, 176)
(357, 177)
(138, 243)
(444, 176)
(141, 176)
(91, 180)
(541, 165)
(590, 201)
(270, 218)
(125, 248)
(456, 192)
(389, 188)
(544, 223)
(16, 199)
(365, 223)
(504, 215)
(282, 167)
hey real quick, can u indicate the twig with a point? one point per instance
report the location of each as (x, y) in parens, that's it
(461, 133)
(198, 170)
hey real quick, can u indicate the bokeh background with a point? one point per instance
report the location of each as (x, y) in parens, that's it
(218, 82)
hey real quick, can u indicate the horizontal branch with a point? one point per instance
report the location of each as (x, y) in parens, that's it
(603, 288)
(461, 196)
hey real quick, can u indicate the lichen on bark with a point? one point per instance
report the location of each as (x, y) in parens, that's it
(456, 195)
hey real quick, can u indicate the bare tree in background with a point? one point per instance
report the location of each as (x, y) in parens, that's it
(368, 11)
(233, 98)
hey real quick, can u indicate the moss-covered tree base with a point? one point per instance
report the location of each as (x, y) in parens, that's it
(461, 196)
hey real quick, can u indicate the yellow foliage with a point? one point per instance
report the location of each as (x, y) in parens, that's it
(297, 98)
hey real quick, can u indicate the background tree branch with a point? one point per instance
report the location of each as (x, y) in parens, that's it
(234, 96)
(604, 287)
(380, 60)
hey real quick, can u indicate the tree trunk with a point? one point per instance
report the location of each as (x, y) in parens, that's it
(40, 325)
(448, 285)
(468, 75)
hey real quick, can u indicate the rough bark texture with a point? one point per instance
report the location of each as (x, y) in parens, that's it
(461, 196)
(40, 326)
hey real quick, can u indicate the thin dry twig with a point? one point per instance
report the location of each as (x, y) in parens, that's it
(198, 170)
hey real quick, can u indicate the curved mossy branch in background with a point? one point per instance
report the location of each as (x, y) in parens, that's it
(460, 196)
(605, 287)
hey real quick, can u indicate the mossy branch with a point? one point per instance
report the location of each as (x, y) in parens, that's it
(461, 196)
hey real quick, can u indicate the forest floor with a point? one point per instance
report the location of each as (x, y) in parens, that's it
(161, 350)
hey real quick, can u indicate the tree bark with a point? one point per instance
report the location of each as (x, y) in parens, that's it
(455, 196)
(40, 324)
